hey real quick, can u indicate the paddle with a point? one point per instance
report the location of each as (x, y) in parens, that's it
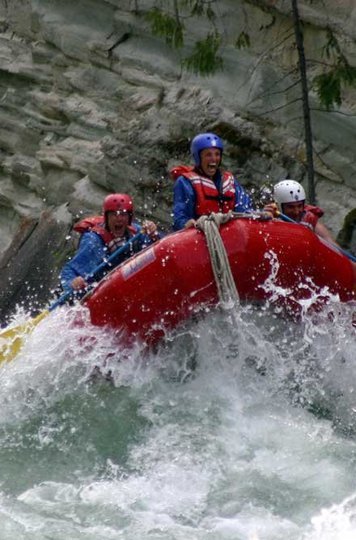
(11, 339)
(346, 253)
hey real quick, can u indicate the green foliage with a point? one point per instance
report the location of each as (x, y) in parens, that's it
(164, 25)
(242, 41)
(328, 88)
(200, 8)
(197, 8)
(204, 58)
(210, 13)
(329, 84)
(332, 46)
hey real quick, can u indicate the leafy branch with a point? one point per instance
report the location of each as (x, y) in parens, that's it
(329, 84)
(204, 58)
(166, 26)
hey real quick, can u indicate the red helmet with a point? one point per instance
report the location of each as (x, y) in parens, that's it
(118, 201)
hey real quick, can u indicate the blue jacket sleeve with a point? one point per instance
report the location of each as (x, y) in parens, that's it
(243, 202)
(183, 203)
(90, 254)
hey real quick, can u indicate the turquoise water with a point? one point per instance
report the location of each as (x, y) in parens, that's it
(238, 427)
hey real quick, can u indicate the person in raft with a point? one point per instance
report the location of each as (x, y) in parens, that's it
(289, 199)
(102, 235)
(204, 188)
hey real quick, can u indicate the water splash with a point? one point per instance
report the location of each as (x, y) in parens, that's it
(236, 427)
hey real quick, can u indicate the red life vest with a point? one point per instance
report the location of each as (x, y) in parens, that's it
(311, 216)
(97, 224)
(208, 198)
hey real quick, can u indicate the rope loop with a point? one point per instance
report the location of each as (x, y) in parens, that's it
(209, 225)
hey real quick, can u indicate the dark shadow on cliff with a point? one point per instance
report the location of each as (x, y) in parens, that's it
(347, 235)
(29, 267)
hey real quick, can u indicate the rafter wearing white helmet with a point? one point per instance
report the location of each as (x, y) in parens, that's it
(288, 191)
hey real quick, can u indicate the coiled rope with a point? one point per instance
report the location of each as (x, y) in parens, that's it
(227, 292)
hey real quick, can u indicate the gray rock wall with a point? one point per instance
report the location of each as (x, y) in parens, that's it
(91, 102)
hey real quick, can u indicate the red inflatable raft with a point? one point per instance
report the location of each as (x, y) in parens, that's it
(166, 283)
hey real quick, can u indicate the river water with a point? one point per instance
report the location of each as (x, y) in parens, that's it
(241, 426)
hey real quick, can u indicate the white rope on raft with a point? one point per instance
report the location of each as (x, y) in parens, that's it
(227, 291)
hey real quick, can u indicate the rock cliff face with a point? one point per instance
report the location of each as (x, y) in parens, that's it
(91, 102)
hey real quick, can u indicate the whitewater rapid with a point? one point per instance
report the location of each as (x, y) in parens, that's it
(237, 427)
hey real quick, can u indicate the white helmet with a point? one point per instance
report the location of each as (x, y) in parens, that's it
(288, 191)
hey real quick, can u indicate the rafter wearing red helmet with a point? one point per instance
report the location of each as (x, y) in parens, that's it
(102, 235)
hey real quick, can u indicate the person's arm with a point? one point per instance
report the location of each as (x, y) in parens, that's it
(90, 254)
(150, 234)
(243, 202)
(272, 209)
(183, 203)
(324, 233)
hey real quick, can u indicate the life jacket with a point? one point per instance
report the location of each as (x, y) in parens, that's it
(311, 216)
(208, 198)
(96, 224)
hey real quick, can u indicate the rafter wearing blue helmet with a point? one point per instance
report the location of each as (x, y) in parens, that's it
(204, 188)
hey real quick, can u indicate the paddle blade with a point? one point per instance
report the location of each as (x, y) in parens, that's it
(12, 339)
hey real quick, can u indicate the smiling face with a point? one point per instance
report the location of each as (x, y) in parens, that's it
(210, 159)
(294, 210)
(117, 222)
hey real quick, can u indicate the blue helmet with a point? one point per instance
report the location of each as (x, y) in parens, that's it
(202, 141)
